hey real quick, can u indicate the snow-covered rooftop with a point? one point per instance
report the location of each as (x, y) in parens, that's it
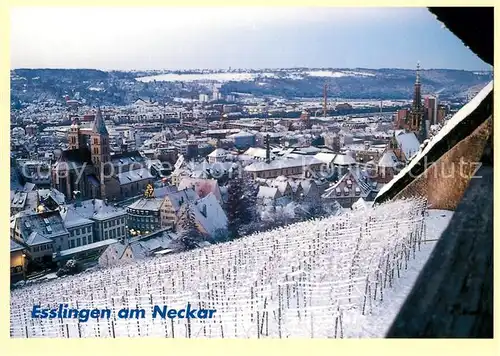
(282, 163)
(88, 247)
(14, 246)
(344, 160)
(256, 152)
(134, 176)
(72, 218)
(153, 204)
(209, 214)
(241, 134)
(97, 209)
(408, 143)
(388, 160)
(267, 192)
(218, 153)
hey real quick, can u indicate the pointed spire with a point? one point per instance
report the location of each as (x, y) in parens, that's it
(417, 81)
(417, 97)
(99, 126)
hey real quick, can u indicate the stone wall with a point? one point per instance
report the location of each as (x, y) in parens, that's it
(444, 182)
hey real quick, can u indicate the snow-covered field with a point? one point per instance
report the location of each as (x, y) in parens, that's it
(218, 77)
(250, 76)
(339, 74)
(342, 276)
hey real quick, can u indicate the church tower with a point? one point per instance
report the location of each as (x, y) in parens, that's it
(416, 118)
(74, 135)
(100, 151)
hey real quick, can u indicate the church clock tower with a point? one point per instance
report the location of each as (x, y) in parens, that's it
(74, 135)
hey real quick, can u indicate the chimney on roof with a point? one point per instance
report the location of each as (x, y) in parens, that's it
(77, 195)
(268, 149)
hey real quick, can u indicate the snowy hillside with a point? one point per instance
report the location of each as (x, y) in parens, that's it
(250, 76)
(339, 74)
(342, 276)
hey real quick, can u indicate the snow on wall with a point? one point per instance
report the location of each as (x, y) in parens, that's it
(321, 278)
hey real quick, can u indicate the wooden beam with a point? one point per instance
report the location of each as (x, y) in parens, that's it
(459, 20)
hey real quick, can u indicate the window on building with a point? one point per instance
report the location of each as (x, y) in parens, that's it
(78, 242)
(78, 231)
(106, 234)
(72, 243)
(84, 240)
(88, 228)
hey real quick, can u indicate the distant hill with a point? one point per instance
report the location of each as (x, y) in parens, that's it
(365, 83)
(121, 87)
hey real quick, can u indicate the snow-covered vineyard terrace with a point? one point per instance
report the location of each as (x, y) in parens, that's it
(343, 276)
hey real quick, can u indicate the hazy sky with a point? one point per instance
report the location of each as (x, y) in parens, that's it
(182, 38)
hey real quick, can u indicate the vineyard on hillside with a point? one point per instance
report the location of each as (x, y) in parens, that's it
(315, 279)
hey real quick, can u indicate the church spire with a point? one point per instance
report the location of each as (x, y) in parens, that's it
(417, 81)
(417, 96)
(99, 126)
